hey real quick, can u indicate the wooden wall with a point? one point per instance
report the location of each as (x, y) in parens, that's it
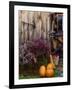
(33, 25)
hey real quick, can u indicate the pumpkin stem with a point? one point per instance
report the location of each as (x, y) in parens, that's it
(51, 60)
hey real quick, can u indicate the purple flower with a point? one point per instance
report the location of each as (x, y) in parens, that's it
(39, 47)
(25, 56)
(31, 50)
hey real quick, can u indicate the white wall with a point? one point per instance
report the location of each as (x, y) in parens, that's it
(4, 43)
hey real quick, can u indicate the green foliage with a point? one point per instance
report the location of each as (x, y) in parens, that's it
(42, 60)
(56, 73)
(28, 76)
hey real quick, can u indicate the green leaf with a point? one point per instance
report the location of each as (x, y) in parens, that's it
(56, 73)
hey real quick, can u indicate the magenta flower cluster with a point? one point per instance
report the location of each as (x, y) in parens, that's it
(29, 51)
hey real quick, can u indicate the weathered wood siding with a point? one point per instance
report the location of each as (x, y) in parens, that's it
(33, 25)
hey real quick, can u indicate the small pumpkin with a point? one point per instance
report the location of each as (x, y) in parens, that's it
(42, 70)
(49, 72)
(50, 66)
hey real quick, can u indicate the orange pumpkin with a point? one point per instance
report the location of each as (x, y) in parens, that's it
(50, 66)
(42, 70)
(49, 72)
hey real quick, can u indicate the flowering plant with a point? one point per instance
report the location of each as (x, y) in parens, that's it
(34, 51)
(39, 47)
(25, 56)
